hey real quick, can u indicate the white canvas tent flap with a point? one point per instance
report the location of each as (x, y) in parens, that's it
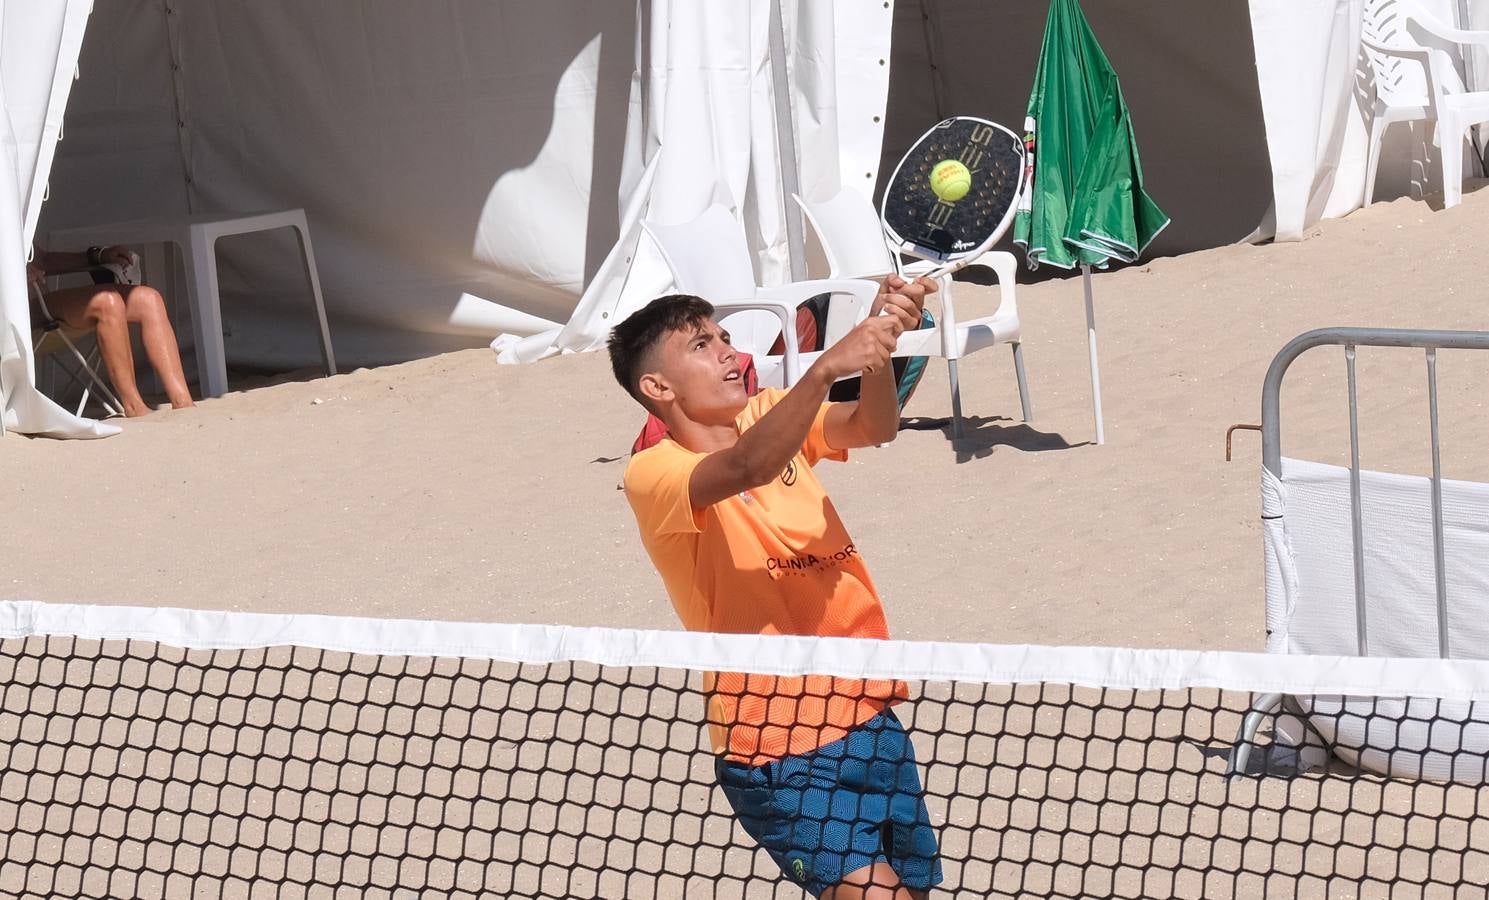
(702, 128)
(1316, 92)
(39, 45)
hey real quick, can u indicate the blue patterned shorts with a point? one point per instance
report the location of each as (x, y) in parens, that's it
(846, 805)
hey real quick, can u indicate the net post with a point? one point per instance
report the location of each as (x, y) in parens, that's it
(1356, 519)
(1438, 555)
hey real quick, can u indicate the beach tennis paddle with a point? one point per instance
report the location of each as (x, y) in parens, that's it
(954, 193)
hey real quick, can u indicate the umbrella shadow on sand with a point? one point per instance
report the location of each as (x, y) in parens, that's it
(981, 435)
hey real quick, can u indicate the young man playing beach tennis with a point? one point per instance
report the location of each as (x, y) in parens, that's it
(818, 769)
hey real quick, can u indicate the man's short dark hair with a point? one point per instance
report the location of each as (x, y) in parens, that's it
(632, 341)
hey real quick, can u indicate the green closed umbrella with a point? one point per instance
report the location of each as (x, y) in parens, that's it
(1085, 204)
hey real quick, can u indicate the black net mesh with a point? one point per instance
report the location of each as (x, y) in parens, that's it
(136, 769)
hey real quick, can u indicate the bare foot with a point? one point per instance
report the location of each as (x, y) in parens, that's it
(135, 410)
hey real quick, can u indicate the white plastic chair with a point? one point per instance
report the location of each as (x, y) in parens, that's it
(852, 239)
(1415, 80)
(710, 257)
(51, 336)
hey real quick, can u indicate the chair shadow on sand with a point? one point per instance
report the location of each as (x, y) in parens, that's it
(981, 435)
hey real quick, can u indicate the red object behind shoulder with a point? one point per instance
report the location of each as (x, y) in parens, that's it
(655, 429)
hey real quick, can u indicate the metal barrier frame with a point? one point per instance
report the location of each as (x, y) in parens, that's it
(1350, 338)
(1271, 428)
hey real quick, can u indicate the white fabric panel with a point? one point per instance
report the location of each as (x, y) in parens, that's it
(1311, 607)
(862, 35)
(39, 59)
(1114, 667)
(1400, 586)
(1317, 96)
(1414, 738)
(1306, 55)
(1279, 573)
(38, 46)
(702, 129)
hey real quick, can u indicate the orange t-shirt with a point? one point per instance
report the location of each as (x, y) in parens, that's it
(773, 560)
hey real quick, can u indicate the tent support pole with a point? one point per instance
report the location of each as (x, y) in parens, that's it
(1091, 346)
(1470, 82)
(780, 77)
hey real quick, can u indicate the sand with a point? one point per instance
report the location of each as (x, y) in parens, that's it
(454, 488)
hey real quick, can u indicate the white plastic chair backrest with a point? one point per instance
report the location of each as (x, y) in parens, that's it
(710, 257)
(852, 239)
(851, 234)
(1400, 81)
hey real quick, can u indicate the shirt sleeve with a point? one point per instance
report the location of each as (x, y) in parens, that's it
(815, 448)
(656, 483)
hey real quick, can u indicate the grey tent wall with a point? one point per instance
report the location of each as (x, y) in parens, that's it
(1196, 106)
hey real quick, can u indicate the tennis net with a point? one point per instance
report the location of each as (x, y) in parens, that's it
(149, 752)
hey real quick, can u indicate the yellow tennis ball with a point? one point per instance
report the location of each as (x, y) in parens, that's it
(950, 180)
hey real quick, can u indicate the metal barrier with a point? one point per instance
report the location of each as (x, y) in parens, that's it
(1350, 338)
(1271, 428)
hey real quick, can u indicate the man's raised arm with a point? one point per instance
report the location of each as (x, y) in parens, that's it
(764, 449)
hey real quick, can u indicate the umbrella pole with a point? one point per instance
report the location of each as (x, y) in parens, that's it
(1091, 346)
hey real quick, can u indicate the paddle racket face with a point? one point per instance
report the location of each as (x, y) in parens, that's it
(953, 232)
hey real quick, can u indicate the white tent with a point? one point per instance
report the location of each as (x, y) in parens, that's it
(1241, 139)
(36, 42)
(474, 169)
(445, 152)
(1316, 89)
(705, 126)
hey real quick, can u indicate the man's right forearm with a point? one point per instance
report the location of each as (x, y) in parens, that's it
(765, 448)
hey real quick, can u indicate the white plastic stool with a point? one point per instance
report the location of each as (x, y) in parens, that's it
(197, 236)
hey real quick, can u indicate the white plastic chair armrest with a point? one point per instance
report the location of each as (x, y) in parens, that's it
(1002, 264)
(1006, 266)
(786, 312)
(1420, 54)
(859, 293)
(798, 292)
(1448, 32)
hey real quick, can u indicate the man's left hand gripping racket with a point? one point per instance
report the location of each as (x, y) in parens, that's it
(954, 194)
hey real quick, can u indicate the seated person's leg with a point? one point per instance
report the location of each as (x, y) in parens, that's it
(102, 311)
(144, 306)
